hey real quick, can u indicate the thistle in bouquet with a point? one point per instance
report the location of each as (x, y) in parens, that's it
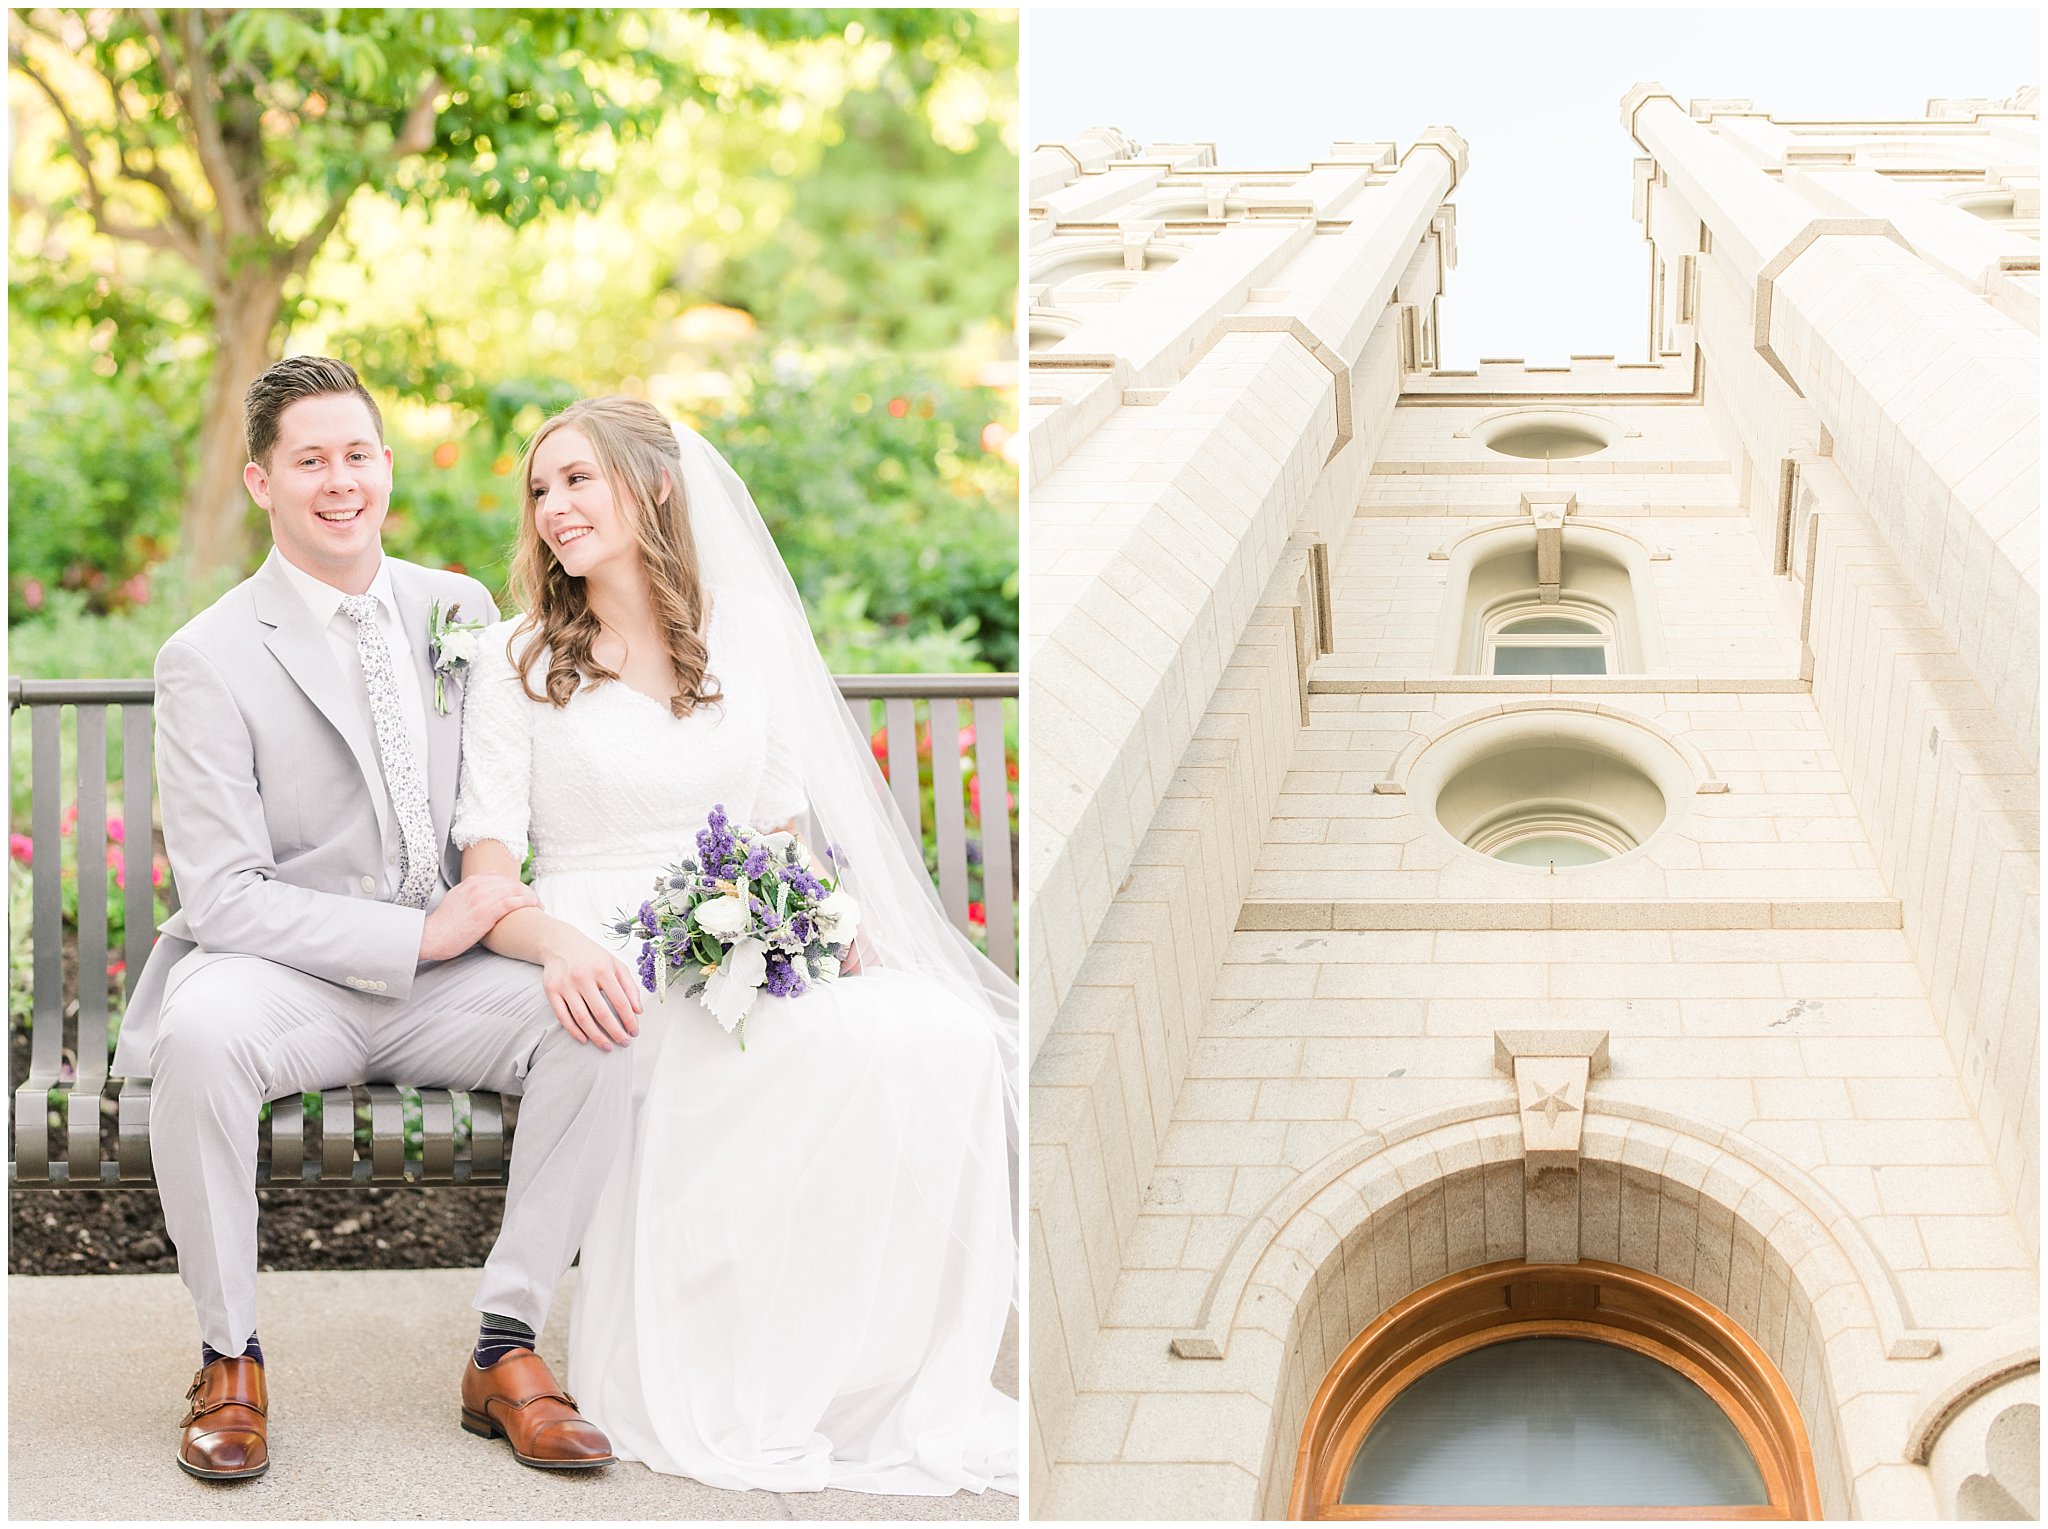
(748, 913)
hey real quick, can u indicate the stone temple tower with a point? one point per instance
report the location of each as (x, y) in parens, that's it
(1534, 870)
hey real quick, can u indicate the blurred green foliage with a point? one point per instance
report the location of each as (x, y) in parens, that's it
(823, 220)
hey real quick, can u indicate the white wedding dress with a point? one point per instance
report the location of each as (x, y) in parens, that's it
(800, 1275)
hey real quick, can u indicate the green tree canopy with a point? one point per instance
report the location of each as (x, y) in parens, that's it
(226, 148)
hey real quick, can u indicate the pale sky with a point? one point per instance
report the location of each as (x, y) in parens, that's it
(1549, 262)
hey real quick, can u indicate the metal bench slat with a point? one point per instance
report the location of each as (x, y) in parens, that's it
(437, 1136)
(387, 1134)
(46, 927)
(949, 809)
(992, 767)
(486, 1138)
(89, 1053)
(288, 1139)
(337, 1135)
(138, 818)
(900, 718)
(133, 1118)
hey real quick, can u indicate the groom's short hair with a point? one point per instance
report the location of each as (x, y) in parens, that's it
(283, 385)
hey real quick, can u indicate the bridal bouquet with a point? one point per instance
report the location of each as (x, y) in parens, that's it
(744, 915)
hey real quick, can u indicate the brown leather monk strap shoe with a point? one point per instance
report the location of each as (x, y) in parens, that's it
(518, 1397)
(223, 1439)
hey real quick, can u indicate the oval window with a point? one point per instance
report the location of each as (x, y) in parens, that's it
(1546, 443)
(1554, 1422)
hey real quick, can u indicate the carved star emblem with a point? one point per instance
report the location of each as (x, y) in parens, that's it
(1553, 1103)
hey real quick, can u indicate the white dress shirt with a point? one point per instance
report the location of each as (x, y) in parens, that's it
(324, 601)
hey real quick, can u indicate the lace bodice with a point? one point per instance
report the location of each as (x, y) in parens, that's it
(613, 780)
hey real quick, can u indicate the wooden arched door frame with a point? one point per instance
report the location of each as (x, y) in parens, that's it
(1499, 1302)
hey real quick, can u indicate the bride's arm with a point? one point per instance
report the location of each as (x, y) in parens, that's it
(593, 995)
(590, 991)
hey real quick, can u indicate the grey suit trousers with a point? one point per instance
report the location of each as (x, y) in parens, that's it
(236, 1030)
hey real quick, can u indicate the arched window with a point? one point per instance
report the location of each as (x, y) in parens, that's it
(1567, 638)
(1554, 1391)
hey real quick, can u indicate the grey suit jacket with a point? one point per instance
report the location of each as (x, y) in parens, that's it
(276, 815)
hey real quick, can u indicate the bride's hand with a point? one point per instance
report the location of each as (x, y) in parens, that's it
(594, 996)
(850, 964)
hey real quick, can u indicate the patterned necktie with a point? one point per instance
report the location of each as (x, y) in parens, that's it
(402, 776)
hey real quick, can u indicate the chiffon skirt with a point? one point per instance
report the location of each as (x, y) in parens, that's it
(799, 1275)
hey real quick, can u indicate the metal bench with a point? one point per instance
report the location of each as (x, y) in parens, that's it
(77, 1127)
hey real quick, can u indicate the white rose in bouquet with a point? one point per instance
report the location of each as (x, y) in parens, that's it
(723, 917)
(837, 917)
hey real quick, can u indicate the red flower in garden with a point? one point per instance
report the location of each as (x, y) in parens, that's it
(22, 848)
(878, 744)
(70, 819)
(899, 407)
(977, 914)
(115, 969)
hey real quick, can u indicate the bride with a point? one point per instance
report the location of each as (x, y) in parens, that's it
(799, 1276)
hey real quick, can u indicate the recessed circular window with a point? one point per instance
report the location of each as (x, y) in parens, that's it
(1562, 803)
(1550, 788)
(1547, 443)
(1547, 436)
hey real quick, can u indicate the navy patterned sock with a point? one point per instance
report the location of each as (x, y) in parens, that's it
(208, 1353)
(499, 1336)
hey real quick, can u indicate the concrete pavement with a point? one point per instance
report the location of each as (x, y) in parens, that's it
(363, 1370)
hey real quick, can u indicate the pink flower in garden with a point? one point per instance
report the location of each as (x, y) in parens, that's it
(22, 848)
(69, 820)
(117, 830)
(137, 589)
(32, 594)
(966, 739)
(159, 873)
(119, 862)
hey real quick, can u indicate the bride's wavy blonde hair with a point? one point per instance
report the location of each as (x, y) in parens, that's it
(637, 453)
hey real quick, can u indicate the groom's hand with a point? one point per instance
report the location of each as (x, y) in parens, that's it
(468, 912)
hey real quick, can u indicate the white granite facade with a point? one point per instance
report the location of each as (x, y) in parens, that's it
(1267, 975)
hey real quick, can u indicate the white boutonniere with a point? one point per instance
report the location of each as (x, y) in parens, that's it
(451, 645)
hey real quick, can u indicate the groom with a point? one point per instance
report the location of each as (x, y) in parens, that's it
(307, 774)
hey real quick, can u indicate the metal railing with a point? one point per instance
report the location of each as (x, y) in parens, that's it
(75, 1126)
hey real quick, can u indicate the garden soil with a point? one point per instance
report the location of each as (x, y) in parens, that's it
(121, 1231)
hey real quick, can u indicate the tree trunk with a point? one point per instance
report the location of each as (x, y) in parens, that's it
(218, 512)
